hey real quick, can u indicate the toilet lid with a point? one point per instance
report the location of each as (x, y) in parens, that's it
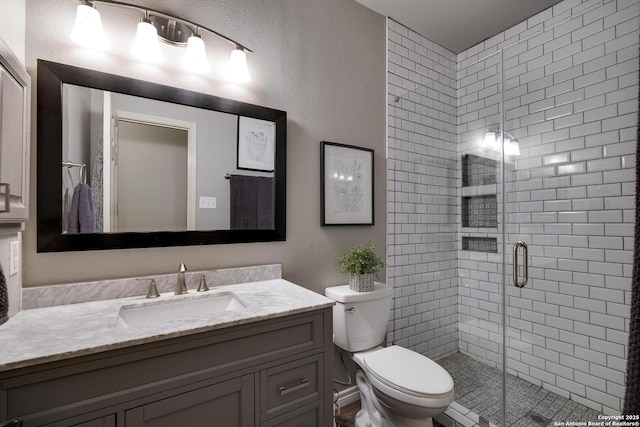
(409, 372)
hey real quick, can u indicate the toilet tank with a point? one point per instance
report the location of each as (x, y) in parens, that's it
(360, 318)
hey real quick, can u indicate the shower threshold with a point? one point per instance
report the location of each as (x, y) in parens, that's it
(478, 393)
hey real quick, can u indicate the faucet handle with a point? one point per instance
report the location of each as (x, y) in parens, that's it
(153, 288)
(202, 287)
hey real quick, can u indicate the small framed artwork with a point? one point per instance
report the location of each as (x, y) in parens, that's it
(256, 144)
(346, 184)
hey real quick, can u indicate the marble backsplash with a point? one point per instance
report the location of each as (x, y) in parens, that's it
(73, 293)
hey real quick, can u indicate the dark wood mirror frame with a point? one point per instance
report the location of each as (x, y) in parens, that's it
(51, 76)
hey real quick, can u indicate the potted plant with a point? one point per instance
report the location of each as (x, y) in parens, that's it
(362, 265)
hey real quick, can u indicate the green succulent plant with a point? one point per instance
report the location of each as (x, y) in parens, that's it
(360, 260)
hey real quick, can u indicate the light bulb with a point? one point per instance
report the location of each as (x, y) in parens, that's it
(489, 140)
(238, 71)
(195, 58)
(146, 46)
(87, 29)
(511, 148)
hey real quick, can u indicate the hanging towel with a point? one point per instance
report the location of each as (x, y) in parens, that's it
(266, 198)
(81, 218)
(251, 202)
(4, 299)
(243, 202)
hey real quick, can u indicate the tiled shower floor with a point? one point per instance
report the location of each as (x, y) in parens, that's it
(478, 389)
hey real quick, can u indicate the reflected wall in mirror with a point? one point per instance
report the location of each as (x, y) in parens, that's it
(125, 163)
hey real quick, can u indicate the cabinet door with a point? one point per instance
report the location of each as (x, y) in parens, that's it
(14, 138)
(229, 403)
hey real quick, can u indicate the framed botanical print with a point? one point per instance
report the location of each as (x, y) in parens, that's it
(347, 184)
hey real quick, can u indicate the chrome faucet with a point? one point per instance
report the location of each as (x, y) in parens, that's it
(181, 287)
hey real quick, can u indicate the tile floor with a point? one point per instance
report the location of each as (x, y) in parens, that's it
(478, 392)
(347, 415)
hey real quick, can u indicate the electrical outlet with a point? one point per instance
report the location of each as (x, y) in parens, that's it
(14, 258)
(207, 202)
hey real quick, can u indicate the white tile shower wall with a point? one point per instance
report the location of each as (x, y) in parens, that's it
(422, 203)
(571, 86)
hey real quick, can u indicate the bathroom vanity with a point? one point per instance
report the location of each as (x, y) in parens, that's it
(264, 362)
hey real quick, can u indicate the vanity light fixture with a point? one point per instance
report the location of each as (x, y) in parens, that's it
(489, 140)
(87, 28)
(238, 70)
(195, 58)
(146, 46)
(493, 139)
(154, 26)
(511, 147)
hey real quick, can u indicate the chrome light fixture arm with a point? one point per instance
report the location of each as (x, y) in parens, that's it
(193, 26)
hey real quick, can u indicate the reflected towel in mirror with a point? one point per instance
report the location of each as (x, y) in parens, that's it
(251, 202)
(81, 215)
(4, 299)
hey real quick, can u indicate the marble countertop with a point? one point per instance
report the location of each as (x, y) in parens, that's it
(62, 332)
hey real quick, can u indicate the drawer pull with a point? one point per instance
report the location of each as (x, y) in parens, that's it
(286, 390)
(7, 197)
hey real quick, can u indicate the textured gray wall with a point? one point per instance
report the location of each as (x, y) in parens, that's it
(12, 25)
(321, 61)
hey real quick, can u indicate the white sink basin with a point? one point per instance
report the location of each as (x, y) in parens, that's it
(162, 311)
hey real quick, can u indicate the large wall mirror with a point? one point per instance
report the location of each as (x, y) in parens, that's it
(124, 163)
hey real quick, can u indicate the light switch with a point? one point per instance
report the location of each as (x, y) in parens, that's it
(207, 202)
(14, 258)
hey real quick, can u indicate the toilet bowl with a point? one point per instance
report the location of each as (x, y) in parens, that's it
(398, 387)
(408, 386)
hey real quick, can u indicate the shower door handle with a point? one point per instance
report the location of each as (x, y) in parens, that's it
(519, 244)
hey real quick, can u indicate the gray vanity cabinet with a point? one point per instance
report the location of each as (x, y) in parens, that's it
(270, 373)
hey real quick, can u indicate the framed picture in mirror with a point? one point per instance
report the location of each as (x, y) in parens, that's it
(255, 144)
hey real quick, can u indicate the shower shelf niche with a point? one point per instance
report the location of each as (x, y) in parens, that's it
(480, 244)
(478, 170)
(479, 204)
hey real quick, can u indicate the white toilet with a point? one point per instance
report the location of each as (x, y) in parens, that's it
(398, 387)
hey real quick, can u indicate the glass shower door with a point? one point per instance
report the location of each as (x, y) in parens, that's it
(567, 145)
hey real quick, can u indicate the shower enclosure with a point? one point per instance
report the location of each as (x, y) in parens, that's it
(511, 211)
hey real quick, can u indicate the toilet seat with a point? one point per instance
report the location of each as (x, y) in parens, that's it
(409, 376)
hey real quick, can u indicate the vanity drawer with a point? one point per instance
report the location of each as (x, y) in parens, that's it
(307, 416)
(291, 385)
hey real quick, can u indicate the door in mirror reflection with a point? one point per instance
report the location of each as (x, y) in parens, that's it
(151, 178)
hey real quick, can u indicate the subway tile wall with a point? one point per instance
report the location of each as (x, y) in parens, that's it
(571, 85)
(422, 197)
